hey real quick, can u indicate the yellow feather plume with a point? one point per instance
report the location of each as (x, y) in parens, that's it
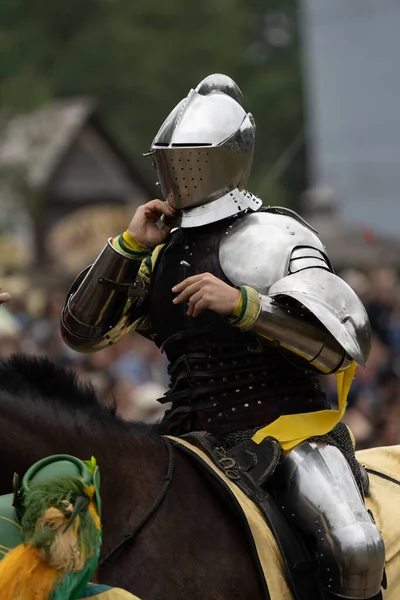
(38, 579)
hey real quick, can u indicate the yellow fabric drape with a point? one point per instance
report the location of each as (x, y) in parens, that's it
(291, 430)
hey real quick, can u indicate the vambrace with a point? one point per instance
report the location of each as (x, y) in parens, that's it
(104, 302)
(293, 330)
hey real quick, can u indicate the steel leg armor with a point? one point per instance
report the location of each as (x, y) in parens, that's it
(317, 492)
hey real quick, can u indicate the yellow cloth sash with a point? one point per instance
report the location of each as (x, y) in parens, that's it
(291, 430)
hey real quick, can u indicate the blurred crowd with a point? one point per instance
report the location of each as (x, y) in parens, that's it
(373, 412)
(133, 373)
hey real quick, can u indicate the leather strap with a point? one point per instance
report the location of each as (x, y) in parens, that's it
(300, 567)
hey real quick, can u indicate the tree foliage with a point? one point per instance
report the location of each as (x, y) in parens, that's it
(140, 57)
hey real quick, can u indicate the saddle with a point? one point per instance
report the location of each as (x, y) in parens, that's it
(250, 466)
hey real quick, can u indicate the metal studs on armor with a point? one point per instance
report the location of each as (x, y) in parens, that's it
(233, 409)
(246, 405)
(259, 402)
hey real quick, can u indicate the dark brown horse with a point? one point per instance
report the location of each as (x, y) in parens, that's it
(191, 547)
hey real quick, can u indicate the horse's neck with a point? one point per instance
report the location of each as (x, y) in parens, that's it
(128, 462)
(130, 482)
(132, 468)
(132, 471)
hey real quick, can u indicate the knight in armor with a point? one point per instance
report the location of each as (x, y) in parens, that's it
(244, 302)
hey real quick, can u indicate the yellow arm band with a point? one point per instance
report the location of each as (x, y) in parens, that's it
(247, 309)
(130, 247)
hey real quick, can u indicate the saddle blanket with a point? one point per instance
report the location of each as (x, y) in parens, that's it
(383, 465)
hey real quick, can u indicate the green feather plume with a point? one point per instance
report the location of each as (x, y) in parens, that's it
(61, 527)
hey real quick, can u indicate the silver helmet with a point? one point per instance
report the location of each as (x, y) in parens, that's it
(203, 153)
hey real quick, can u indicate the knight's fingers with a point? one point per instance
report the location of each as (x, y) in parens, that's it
(154, 209)
(199, 307)
(186, 282)
(166, 208)
(166, 228)
(4, 297)
(160, 207)
(188, 292)
(193, 301)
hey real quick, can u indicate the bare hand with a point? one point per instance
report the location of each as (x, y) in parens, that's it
(4, 297)
(206, 291)
(143, 226)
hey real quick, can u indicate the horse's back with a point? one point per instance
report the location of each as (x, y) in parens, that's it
(383, 465)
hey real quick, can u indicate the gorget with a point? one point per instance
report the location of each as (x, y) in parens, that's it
(230, 204)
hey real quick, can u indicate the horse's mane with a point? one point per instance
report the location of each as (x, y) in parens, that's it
(37, 379)
(21, 374)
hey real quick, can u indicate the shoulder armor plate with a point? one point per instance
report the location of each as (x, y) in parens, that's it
(278, 256)
(336, 306)
(258, 249)
(282, 210)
